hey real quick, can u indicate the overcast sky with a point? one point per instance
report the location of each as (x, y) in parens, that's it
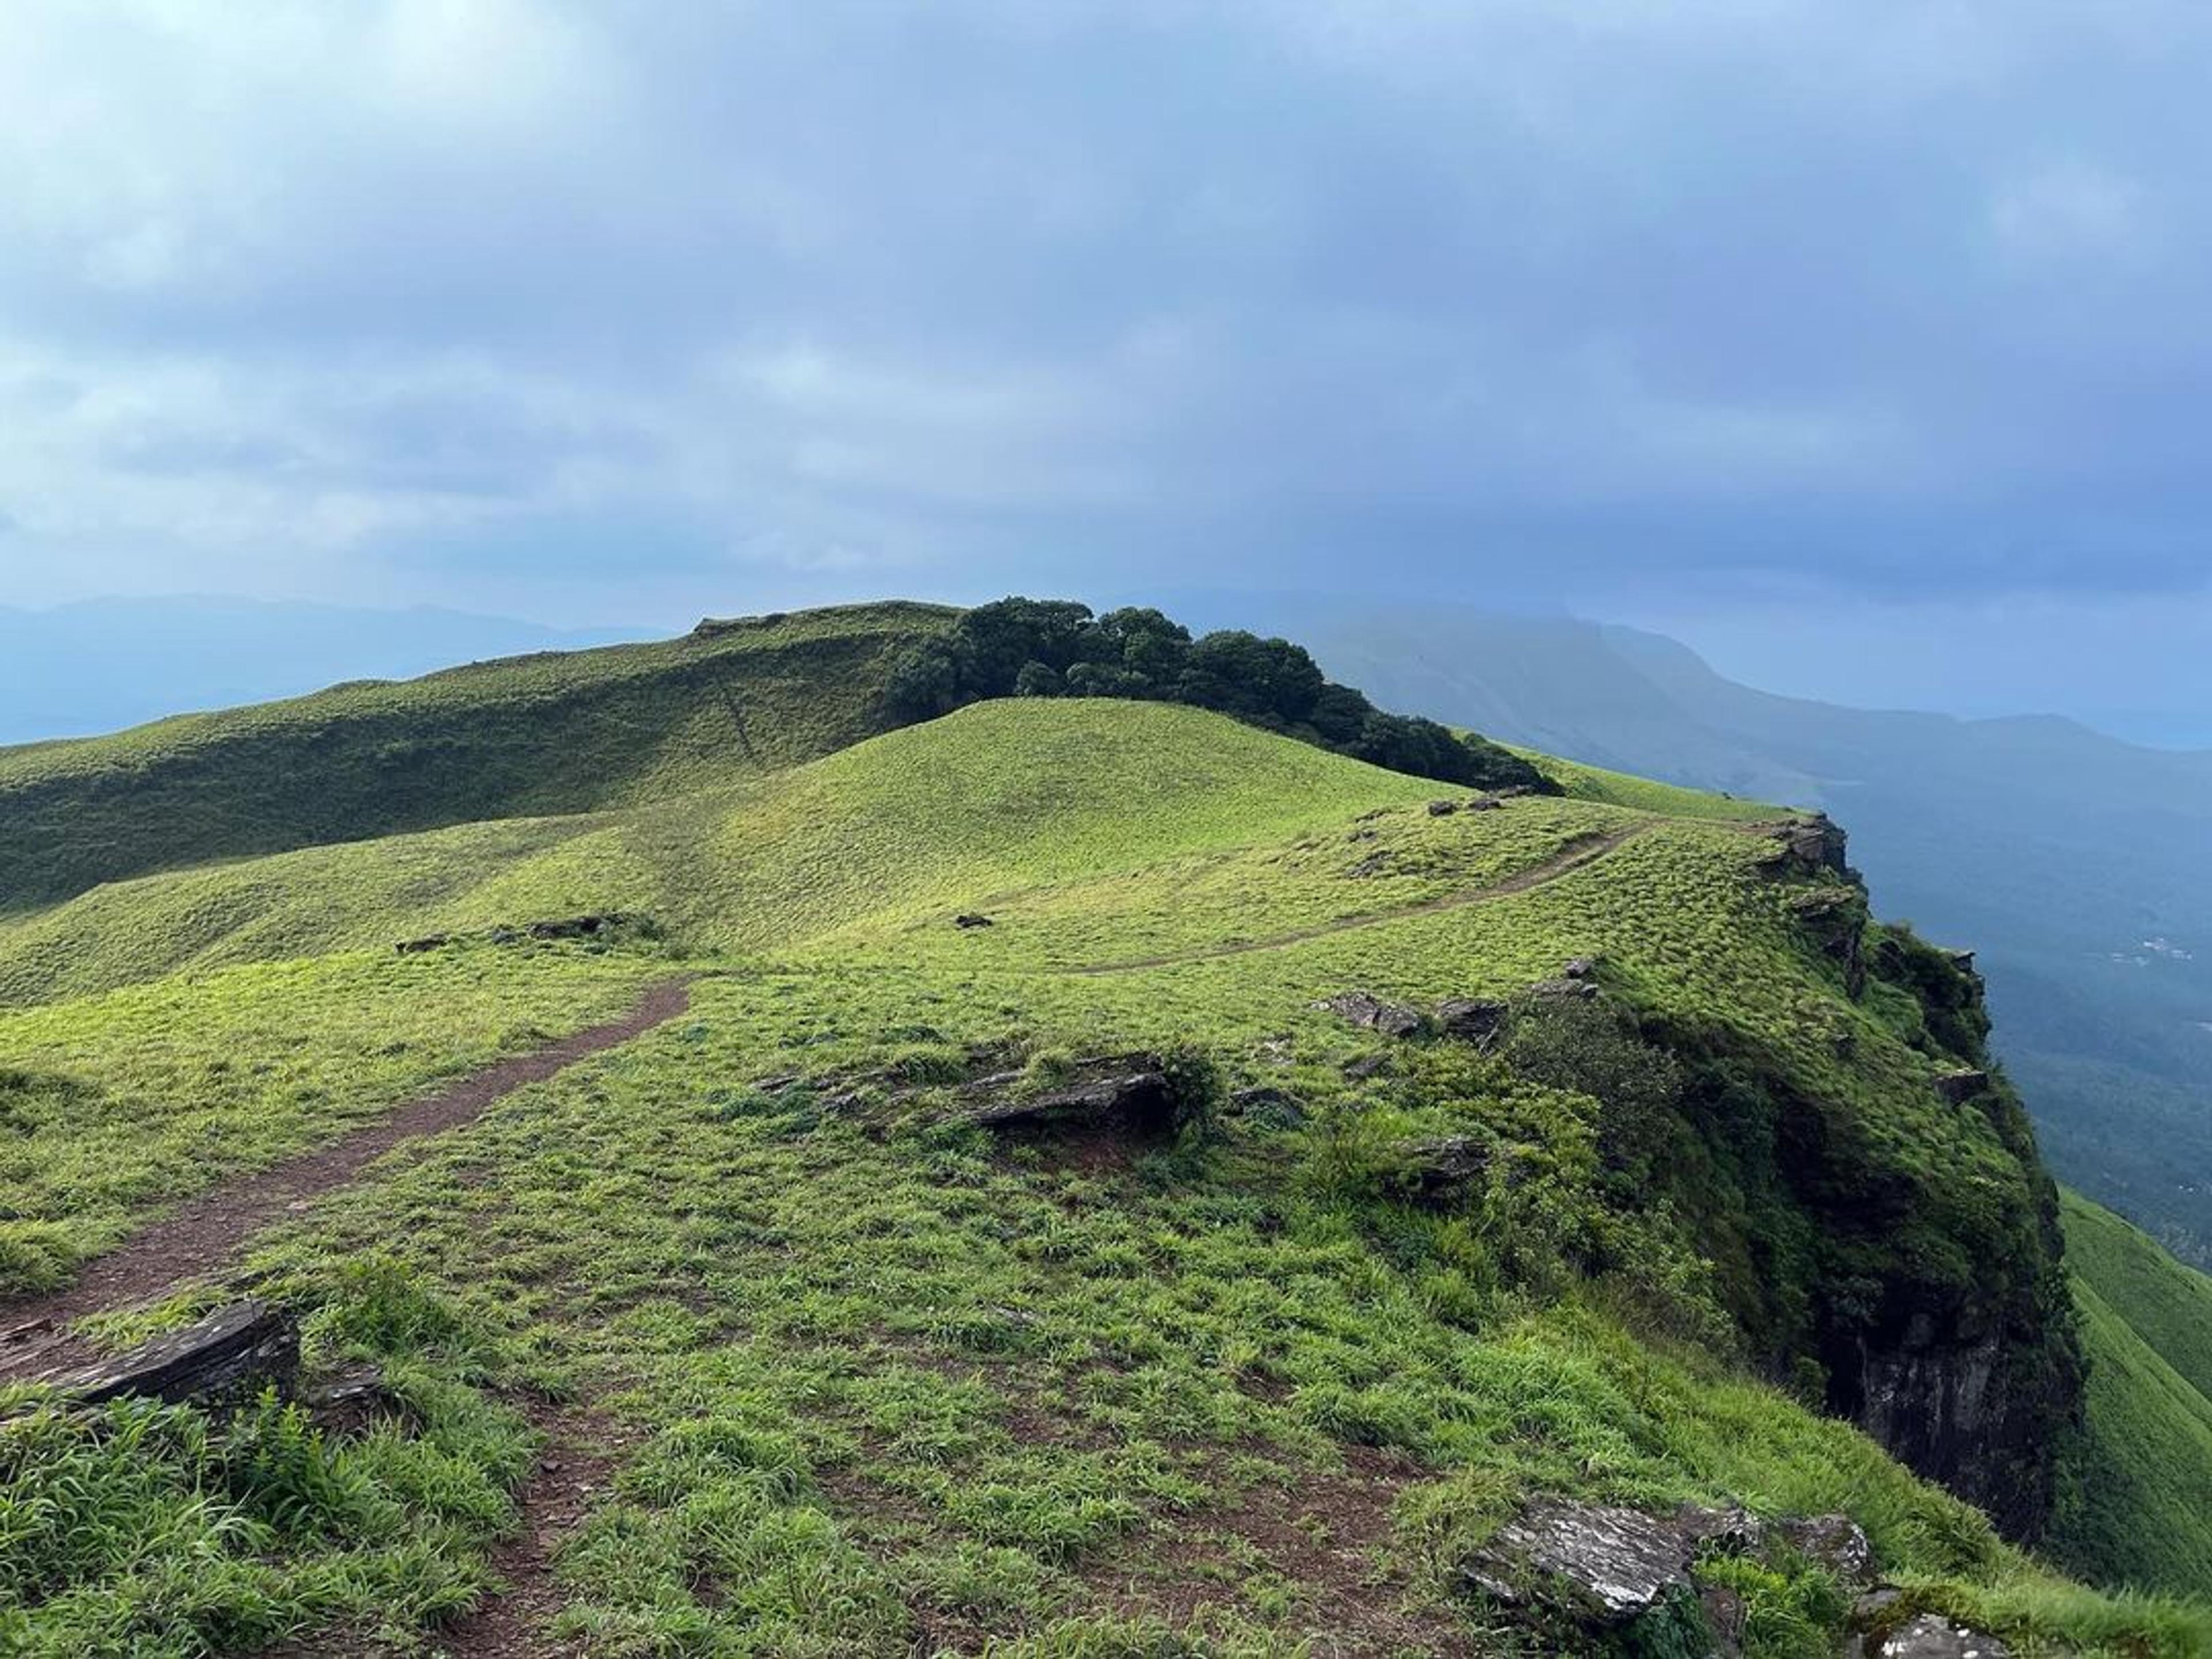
(1815, 333)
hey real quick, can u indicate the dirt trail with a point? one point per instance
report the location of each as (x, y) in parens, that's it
(1587, 850)
(582, 1449)
(207, 1232)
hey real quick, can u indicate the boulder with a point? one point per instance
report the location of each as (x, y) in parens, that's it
(1466, 1020)
(1932, 1638)
(1579, 967)
(231, 1355)
(573, 926)
(351, 1402)
(1605, 1565)
(1128, 1091)
(1485, 804)
(1442, 1166)
(1835, 1543)
(1962, 1085)
(1442, 808)
(1391, 1018)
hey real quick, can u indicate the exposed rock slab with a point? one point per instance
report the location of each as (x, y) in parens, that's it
(1364, 1009)
(1443, 1166)
(1611, 1565)
(1930, 1638)
(1610, 1569)
(233, 1354)
(1131, 1091)
(1468, 1019)
(1810, 847)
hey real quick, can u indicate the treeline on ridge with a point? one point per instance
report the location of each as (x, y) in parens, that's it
(1022, 648)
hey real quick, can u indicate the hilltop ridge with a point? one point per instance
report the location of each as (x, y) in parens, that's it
(1592, 1145)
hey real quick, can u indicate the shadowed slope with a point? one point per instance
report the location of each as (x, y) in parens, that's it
(557, 732)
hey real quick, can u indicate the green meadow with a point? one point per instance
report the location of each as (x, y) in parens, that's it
(870, 1379)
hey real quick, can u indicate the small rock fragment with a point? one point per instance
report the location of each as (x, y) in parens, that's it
(1468, 1019)
(1364, 1009)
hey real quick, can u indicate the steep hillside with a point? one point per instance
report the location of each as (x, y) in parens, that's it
(1594, 1147)
(2134, 1509)
(2069, 860)
(555, 733)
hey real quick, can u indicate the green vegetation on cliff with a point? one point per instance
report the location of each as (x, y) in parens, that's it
(871, 1378)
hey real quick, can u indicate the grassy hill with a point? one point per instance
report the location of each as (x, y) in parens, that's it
(557, 732)
(868, 1378)
(2148, 1324)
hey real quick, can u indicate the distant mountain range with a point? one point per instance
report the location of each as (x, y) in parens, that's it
(2073, 862)
(104, 664)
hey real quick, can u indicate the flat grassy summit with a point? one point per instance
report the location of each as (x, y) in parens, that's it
(1092, 1172)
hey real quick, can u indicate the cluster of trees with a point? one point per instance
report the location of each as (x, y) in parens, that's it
(1018, 648)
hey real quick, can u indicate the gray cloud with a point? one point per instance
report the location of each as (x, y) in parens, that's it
(1907, 298)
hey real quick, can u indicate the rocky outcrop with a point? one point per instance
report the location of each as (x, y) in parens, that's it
(1129, 1091)
(230, 1356)
(1468, 1019)
(1371, 1012)
(1604, 1566)
(1835, 918)
(1962, 1083)
(1621, 1580)
(1477, 1020)
(1965, 1396)
(1442, 1167)
(577, 926)
(1811, 846)
(1932, 1638)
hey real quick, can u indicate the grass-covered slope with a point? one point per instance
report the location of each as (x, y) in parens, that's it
(2136, 1505)
(870, 1380)
(557, 732)
(921, 821)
